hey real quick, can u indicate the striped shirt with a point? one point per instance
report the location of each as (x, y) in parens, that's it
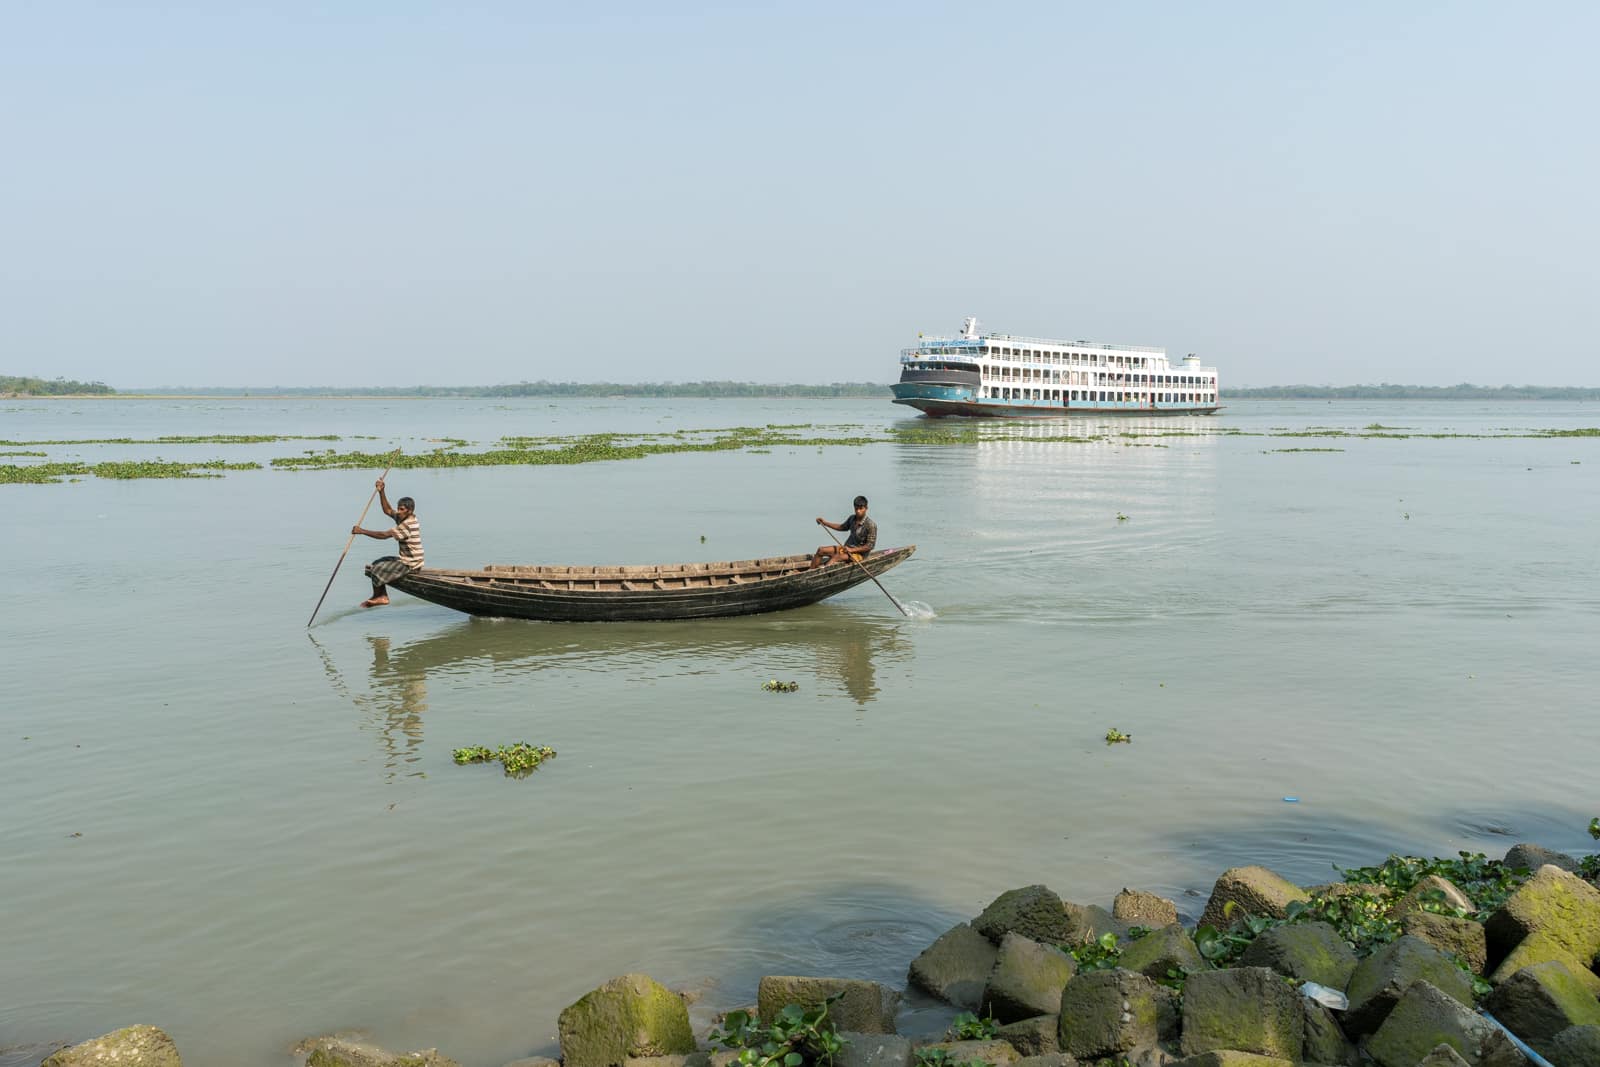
(408, 535)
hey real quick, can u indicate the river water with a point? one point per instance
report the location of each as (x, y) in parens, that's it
(248, 832)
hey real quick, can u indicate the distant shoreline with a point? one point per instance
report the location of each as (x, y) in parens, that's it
(747, 391)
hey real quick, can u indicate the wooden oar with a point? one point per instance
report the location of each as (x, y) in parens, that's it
(350, 542)
(869, 574)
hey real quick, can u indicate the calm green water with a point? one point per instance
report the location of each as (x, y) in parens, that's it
(275, 842)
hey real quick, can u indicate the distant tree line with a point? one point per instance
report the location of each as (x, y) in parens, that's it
(13, 386)
(687, 389)
(575, 389)
(1413, 392)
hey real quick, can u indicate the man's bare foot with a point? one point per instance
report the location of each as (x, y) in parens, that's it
(375, 602)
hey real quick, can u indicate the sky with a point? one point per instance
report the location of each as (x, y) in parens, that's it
(396, 193)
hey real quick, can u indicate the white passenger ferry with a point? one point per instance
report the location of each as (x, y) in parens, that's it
(997, 374)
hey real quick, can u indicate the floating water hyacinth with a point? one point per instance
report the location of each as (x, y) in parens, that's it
(519, 760)
(1117, 737)
(775, 686)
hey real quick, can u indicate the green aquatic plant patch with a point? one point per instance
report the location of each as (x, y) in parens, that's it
(208, 439)
(609, 447)
(129, 469)
(120, 470)
(39, 473)
(519, 760)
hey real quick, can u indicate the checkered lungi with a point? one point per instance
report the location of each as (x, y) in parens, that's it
(386, 569)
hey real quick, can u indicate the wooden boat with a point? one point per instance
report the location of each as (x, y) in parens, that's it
(665, 591)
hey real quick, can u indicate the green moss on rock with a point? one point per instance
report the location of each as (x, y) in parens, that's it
(1246, 1009)
(132, 1046)
(629, 1016)
(1104, 1013)
(1308, 952)
(1032, 911)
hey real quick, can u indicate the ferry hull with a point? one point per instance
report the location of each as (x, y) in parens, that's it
(939, 401)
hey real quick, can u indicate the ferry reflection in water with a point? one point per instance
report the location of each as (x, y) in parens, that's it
(830, 646)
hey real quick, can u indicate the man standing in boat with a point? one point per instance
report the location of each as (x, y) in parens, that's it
(863, 537)
(405, 531)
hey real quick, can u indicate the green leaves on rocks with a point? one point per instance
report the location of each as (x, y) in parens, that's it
(1488, 882)
(966, 1026)
(796, 1036)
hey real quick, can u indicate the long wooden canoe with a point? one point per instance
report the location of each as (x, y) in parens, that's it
(664, 591)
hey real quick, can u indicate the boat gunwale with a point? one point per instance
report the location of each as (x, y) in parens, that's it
(514, 579)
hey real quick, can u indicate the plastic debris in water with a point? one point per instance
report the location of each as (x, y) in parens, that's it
(1291, 800)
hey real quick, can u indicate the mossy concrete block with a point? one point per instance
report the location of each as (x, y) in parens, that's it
(1032, 1037)
(1254, 890)
(956, 967)
(1432, 889)
(1171, 948)
(1542, 948)
(1325, 1040)
(1539, 1002)
(337, 1052)
(865, 1007)
(873, 1050)
(1380, 980)
(1169, 1014)
(1576, 1044)
(1143, 909)
(995, 1052)
(1049, 1059)
(1307, 952)
(699, 1058)
(1104, 1013)
(1247, 1009)
(132, 1046)
(1423, 1019)
(630, 1016)
(1232, 1058)
(1088, 923)
(1032, 911)
(1452, 936)
(1027, 979)
(1555, 903)
(1529, 857)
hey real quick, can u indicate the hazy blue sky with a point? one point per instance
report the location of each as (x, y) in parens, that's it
(396, 193)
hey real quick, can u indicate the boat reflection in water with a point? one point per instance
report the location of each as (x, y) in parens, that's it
(830, 646)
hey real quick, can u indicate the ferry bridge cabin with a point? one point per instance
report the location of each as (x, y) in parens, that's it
(1005, 375)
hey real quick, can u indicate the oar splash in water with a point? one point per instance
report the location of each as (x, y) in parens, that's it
(911, 609)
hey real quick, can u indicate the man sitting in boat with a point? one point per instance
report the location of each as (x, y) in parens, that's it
(863, 536)
(386, 569)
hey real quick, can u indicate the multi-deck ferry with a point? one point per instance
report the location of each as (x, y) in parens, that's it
(998, 374)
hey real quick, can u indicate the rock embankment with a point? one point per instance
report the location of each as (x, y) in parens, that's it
(1411, 964)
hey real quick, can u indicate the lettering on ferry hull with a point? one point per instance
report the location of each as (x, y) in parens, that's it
(991, 375)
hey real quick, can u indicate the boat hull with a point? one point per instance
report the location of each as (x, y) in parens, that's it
(632, 594)
(1040, 409)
